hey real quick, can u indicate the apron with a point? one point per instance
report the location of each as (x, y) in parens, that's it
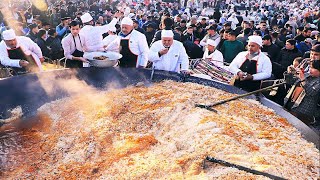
(17, 53)
(249, 67)
(75, 63)
(128, 59)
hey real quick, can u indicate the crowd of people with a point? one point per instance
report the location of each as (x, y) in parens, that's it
(254, 40)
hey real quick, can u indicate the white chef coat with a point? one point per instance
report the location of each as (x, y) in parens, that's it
(216, 56)
(107, 40)
(69, 46)
(138, 46)
(171, 61)
(264, 66)
(92, 36)
(28, 47)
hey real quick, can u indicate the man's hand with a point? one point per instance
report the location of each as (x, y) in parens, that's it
(244, 76)
(163, 51)
(117, 15)
(186, 72)
(23, 63)
(241, 75)
(83, 59)
(249, 77)
(301, 74)
(41, 60)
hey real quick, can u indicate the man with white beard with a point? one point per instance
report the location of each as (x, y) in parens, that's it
(131, 44)
(168, 54)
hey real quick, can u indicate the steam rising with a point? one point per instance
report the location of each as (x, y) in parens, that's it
(70, 85)
(8, 16)
(40, 4)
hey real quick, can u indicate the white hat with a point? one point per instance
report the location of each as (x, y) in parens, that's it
(127, 21)
(211, 42)
(8, 35)
(131, 15)
(113, 29)
(255, 39)
(166, 33)
(86, 18)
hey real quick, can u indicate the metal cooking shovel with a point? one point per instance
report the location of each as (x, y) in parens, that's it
(147, 83)
(209, 107)
(242, 168)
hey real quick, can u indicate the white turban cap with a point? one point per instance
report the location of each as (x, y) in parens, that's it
(211, 42)
(166, 33)
(255, 39)
(127, 21)
(8, 35)
(86, 18)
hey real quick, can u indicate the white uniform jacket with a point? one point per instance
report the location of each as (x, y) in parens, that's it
(216, 56)
(29, 48)
(107, 40)
(92, 36)
(69, 46)
(138, 46)
(264, 66)
(175, 60)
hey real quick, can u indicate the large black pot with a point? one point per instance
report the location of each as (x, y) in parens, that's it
(27, 91)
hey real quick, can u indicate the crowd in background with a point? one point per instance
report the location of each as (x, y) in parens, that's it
(295, 22)
(289, 28)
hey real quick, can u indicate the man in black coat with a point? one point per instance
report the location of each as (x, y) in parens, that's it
(285, 58)
(33, 31)
(271, 49)
(304, 35)
(136, 26)
(150, 34)
(54, 44)
(40, 40)
(167, 25)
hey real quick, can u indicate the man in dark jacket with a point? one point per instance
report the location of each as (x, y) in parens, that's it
(42, 43)
(149, 21)
(304, 35)
(136, 26)
(263, 28)
(166, 25)
(285, 58)
(276, 40)
(33, 31)
(271, 49)
(150, 34)
(183, 25)
(54, 44)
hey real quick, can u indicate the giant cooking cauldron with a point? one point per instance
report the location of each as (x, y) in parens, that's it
(27, 91)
